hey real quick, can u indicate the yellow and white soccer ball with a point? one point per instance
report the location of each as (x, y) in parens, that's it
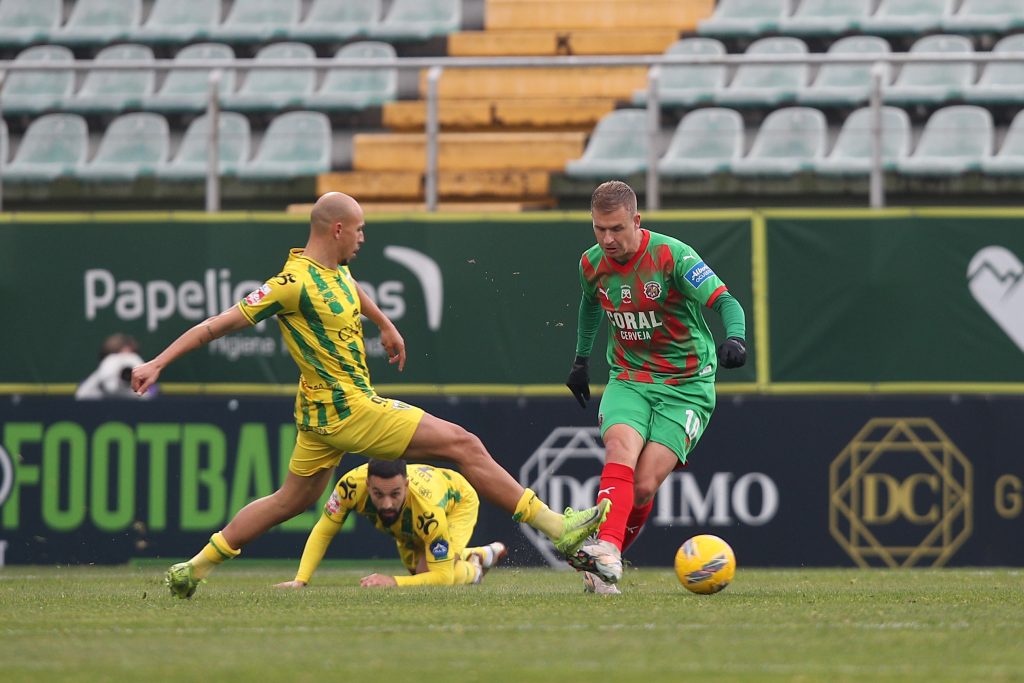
(705, 564)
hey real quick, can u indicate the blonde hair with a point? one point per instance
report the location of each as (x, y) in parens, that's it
(611, 195)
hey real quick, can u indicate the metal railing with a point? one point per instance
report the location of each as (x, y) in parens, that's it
(435, 67)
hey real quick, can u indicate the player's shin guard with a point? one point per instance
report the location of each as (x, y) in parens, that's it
(637, 518)
(617, 486)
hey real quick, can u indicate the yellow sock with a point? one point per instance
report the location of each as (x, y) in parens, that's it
(531, 510)
(212, 554)
(466, 573)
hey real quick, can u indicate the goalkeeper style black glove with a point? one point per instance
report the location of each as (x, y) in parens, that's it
(732, 353)
(579, 380)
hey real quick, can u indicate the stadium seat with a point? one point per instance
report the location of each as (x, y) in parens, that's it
(688, 85)
(986, 16)
(767, 84)
(418, 20)
(617, 147)
(789, 141)
(1010, 159)
(907, 17)
(233, 145)
(179, 21)
(23, 22)
(825, 17)
(931, 83)
(133, 145)
(257, 21)
(744, 18)
(99, 22)
(1001, 83)
(53, 145)
(296, 144)
(330, 21)
(955, 140)
(272, 89)
(851, 154)
(185, 90)
(348, 88)
(28, 92)
(114, 91)
(706, 141)
(845, 84)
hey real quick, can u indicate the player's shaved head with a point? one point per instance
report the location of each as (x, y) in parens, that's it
(332, 208)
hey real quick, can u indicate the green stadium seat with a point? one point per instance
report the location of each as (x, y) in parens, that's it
(907, 17)
(689, 85)
(706, 141)
(233, 146)
(844, 84)
(114, 91)
(767, 84)
(354, 89)
(932, 83)
(99, 22)
(272, 89)
(418, 20)
(330, 21)
(744, 18)
(617, 148)
(1010, 159)
(825, 17)
(851, 154)
(23, 22)
(790, 141)
(986, 16)
(53, 145)
(179, 21)
(186, 90)
(1001, 83)
(133, 145)
(955, 140)
(28, 92)
(258, 21)
(295, 145)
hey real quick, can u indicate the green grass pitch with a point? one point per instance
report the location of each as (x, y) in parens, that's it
(120, 624)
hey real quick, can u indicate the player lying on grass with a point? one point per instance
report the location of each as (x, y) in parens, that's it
(429, 511)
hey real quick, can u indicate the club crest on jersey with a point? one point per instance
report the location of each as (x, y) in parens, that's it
(256, 296)
(626, 294)
(698, 274)
(439, 549)
(652, 290)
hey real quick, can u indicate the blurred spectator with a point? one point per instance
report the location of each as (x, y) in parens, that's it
(113, 378)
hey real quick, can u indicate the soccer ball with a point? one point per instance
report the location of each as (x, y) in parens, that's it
(705, 564)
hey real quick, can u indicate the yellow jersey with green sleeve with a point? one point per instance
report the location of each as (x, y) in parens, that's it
(317, 309)
(422, 525)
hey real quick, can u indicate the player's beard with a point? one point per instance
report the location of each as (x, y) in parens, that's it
(388, 518)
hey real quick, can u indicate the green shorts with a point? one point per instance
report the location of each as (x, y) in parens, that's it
(672, 415)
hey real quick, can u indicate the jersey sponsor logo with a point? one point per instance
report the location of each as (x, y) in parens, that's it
(652, 290)
(426, 523)
(439, 549)
(698, 274)
(256, 296)
(634, 326)
(333, 503)
(626, 294)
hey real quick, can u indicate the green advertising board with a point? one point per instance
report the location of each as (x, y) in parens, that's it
(479, 300)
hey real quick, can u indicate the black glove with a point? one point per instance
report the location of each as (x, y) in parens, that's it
(732, 353)
(579, 380)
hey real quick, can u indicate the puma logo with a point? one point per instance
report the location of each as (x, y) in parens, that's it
(605, 492)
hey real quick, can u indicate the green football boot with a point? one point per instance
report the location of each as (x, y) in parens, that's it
(577, 525)
(181, 581)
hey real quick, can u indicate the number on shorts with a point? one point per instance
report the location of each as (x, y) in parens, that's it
(692, 427)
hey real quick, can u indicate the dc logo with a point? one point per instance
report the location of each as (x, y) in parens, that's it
(6, 476)
(564, 471)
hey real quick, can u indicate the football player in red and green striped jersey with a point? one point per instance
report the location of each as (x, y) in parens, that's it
(661, 390)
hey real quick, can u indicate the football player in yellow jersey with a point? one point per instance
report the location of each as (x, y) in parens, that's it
(318, 306)
(429, 511)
